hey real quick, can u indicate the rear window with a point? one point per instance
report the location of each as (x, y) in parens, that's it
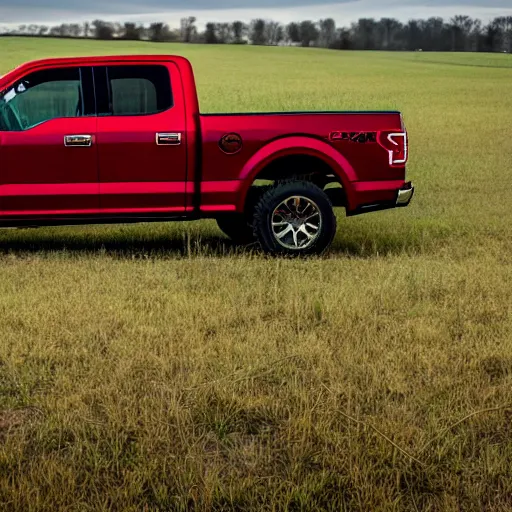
(139, 90)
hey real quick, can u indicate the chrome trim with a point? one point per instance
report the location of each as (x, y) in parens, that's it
(168, 139)
(78, 140)
(404, 195)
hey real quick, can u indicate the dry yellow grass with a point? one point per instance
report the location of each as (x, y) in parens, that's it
(156, 367)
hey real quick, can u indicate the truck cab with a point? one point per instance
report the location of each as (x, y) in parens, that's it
(121, 139)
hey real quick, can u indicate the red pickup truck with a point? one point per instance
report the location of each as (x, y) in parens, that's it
(121, 139)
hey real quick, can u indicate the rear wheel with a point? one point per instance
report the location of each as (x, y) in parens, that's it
(294, 218)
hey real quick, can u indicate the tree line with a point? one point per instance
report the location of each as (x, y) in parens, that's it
(460, 33)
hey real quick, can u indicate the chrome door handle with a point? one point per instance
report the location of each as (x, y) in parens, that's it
(168, 139)
(78, 140)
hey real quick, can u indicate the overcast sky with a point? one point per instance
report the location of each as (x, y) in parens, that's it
(170, 11)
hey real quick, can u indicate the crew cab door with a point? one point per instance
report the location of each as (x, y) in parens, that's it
(141, 138)
(48, 159)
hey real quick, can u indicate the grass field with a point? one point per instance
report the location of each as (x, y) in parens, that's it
(158, 368)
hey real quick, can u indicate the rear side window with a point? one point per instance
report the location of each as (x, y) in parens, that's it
(138, 90)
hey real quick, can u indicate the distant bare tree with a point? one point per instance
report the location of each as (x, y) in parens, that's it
(132, 31)
(413, 35)
(117, 29)
(188, 29)
(308, 33)
(239, 30)
(102, 29)
(257, 33)
(434, 34)
(365, 34)
(224, 33)
(75, 30)
(475, 37)
(504, 25)
(388, 30)
(274, 33)
(56, 31)
(159, 32)
(293, 32)
(210, 35)
(460, 33)
(460, 27)
(492, 36)
(343, 40)
(327, 32)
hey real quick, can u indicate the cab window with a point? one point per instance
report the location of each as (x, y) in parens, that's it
(42, 96)
(138, 90)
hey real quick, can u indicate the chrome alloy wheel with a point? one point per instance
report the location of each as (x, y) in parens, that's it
(296, 222)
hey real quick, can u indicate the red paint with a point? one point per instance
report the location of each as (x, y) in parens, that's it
(128, 154)
(97, 212)
(125, 172)
(368, 192)
(37, 172)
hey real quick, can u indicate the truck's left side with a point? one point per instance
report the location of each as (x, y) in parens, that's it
(121, 139)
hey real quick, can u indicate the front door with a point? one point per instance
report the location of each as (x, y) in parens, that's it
(141, 139)
(48, 151)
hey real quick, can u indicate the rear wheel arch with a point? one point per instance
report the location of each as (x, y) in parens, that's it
(275, 162)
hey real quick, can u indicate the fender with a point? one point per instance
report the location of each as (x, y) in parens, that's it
(296, 145)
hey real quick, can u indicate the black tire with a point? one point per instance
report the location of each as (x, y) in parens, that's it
(236, 227)
(316, 241)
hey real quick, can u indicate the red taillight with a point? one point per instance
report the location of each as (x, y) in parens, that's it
(395, 143)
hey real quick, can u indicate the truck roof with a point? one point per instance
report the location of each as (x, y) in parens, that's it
(97, 59)
(100, 58)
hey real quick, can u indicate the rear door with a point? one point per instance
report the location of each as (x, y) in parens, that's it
(48, 159)
(141, 138)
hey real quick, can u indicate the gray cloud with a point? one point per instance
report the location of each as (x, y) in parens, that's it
(138, 6)
(18, 11)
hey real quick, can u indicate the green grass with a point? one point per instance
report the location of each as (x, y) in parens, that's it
(156, 367)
